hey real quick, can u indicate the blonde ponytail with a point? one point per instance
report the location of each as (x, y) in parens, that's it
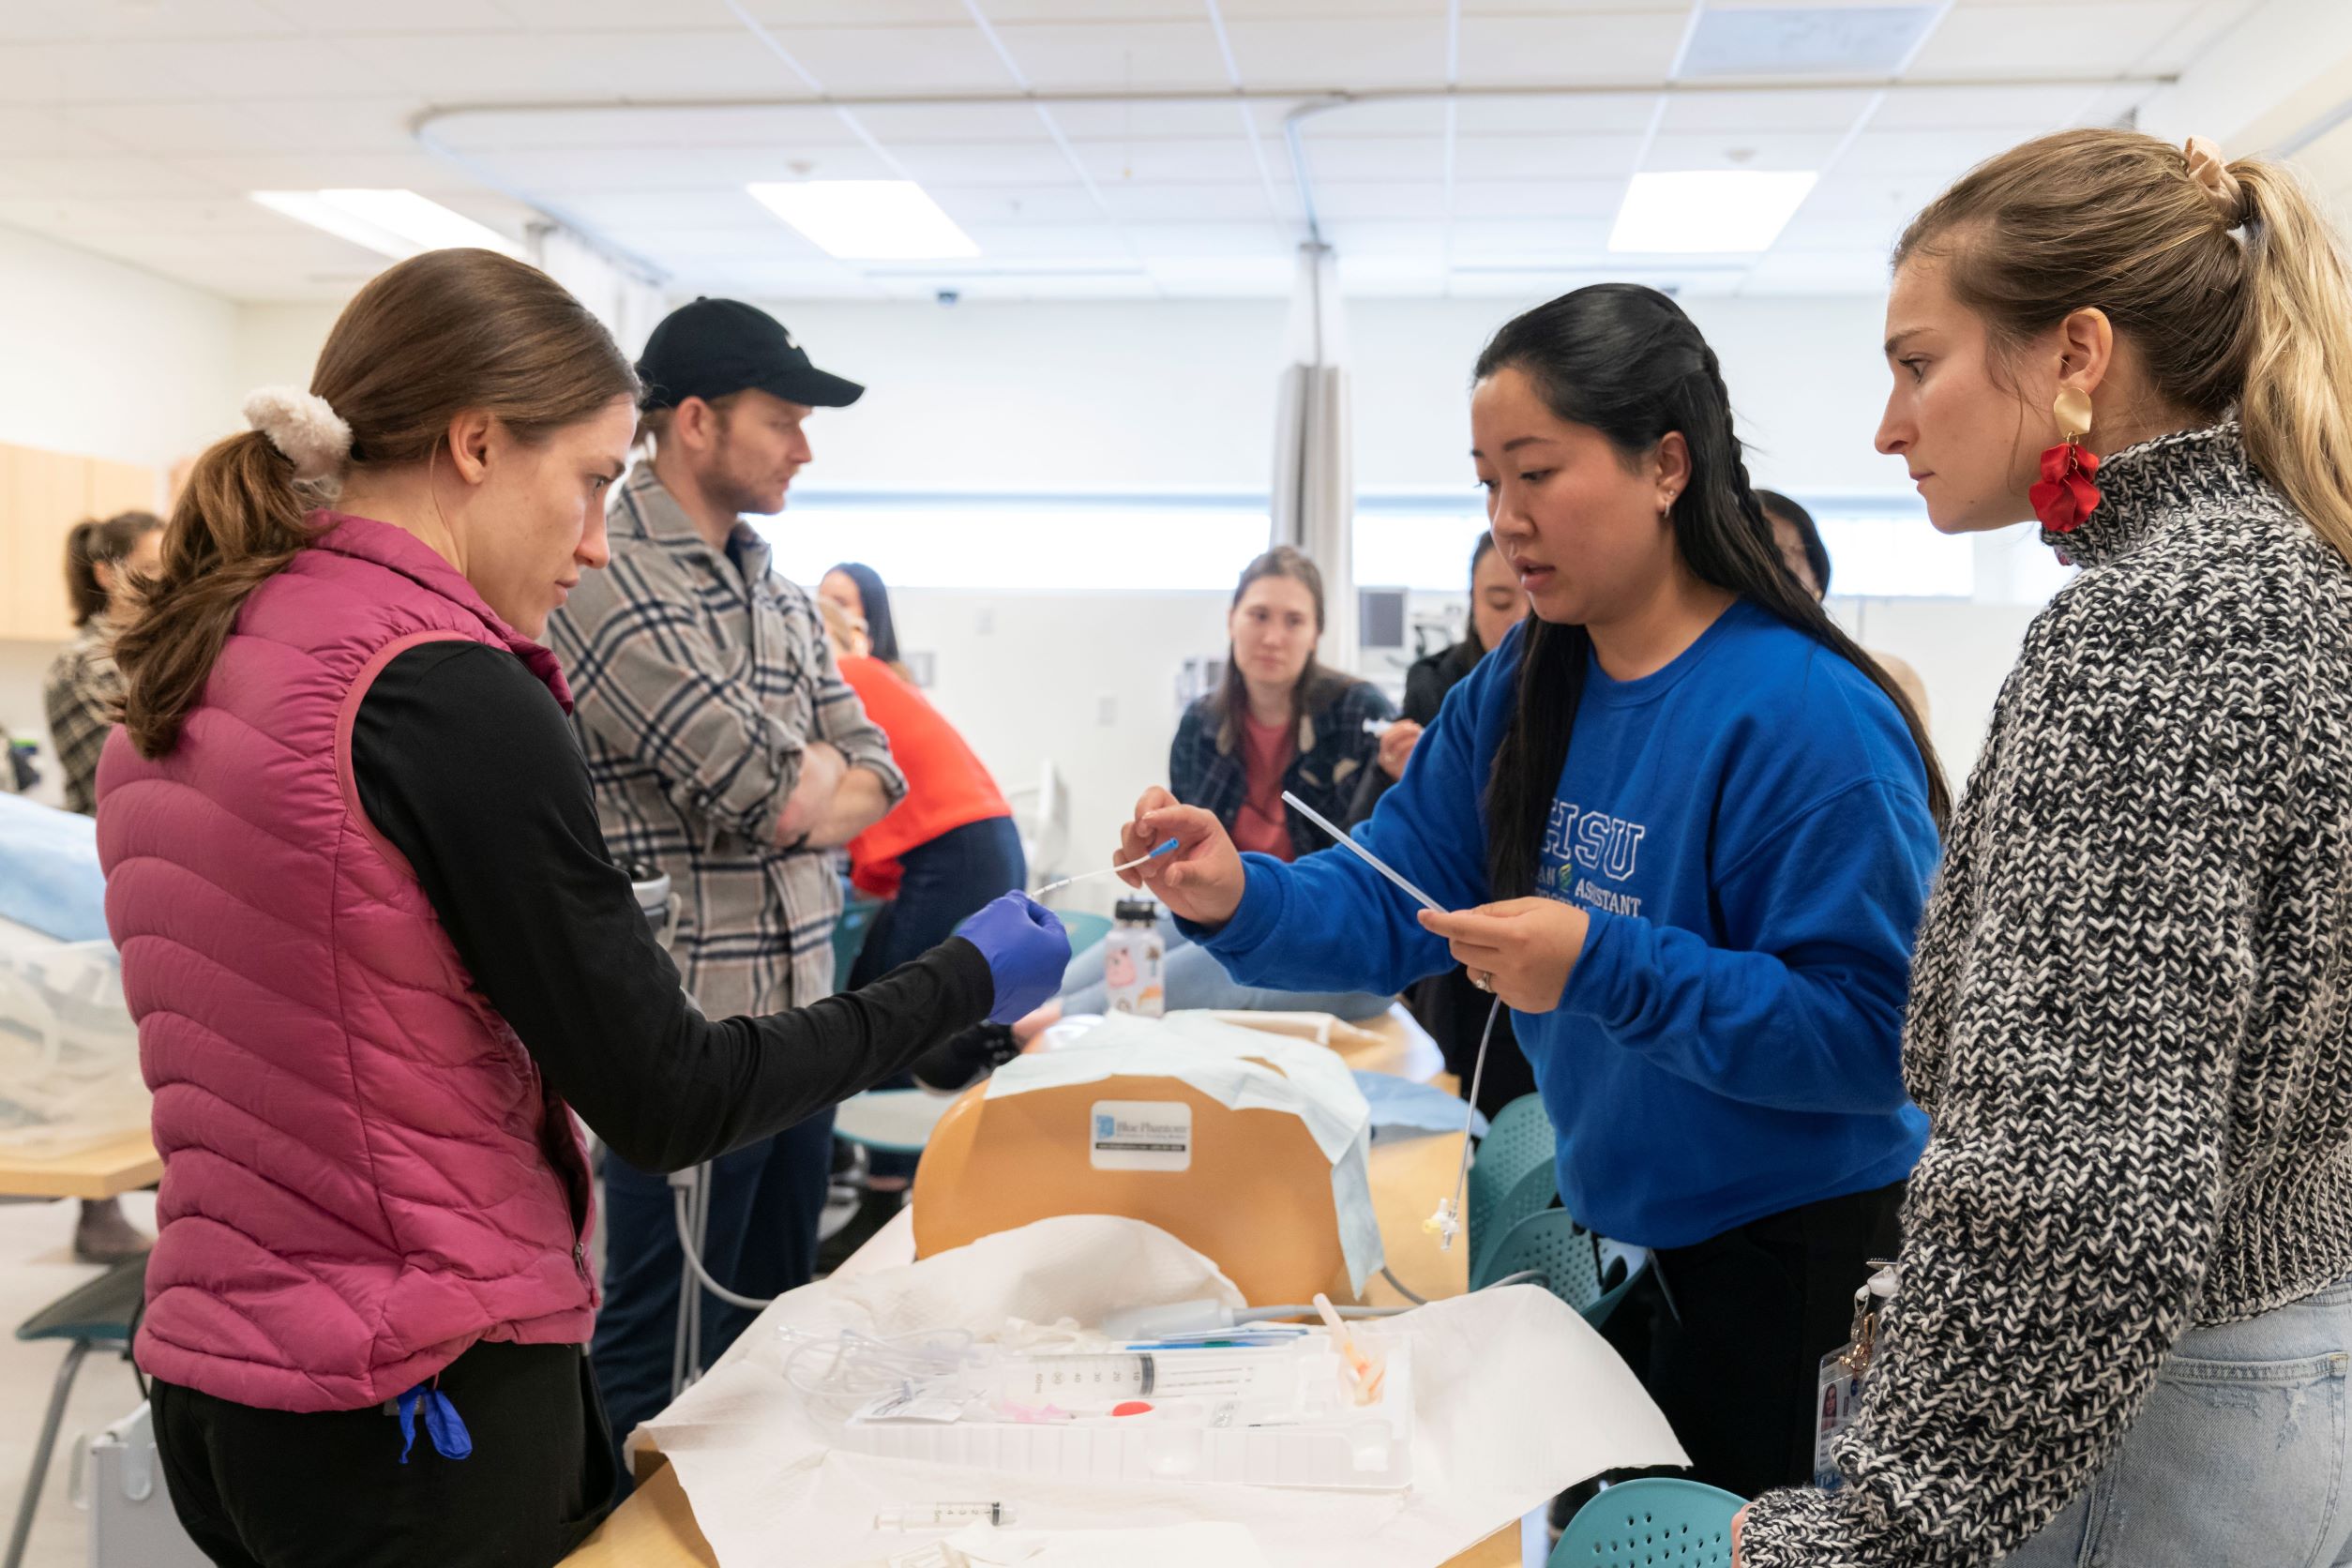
(2297, 402)
(2224, 278)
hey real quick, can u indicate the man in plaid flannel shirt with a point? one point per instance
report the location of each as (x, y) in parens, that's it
(726, 749)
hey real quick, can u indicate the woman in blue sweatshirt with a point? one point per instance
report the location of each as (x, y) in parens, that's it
(1699, 912)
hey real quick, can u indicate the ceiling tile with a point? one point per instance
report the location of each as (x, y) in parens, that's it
(959, 122)
(184, 127)
(1521, 199)
(1083, 242)
(1130, 56)
(1339, 200)
(1751, 112)
(31, 132)
(1507, 158)
(626, 16)
(1265, 237)
(1201, 117)
(982, 206)
(985, 163)
(114, 174)
(1188, 162)
(1384, 117)
(1604, 47)
(1623, 114)
(1991, 40)
(1176, 204)
(2023, 110)
(1349, 158)
(942, 59)
(1780, 151)
(1365, 52)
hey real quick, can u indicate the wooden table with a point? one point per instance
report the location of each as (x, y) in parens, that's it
(655, 1527)
(121, 1163)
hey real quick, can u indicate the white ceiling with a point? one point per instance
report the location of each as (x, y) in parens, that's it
(134, 127)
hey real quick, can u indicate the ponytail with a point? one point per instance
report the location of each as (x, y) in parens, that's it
(424, 341)
(2296, 404)
(238, 522)
(84, 594)
(94, 543)
(2226, 279)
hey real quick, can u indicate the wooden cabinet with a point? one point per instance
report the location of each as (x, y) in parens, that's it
(42, 495)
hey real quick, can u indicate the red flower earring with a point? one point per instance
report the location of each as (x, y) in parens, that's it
(2066, 495)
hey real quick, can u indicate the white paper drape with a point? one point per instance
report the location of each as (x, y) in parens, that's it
(1313, 479)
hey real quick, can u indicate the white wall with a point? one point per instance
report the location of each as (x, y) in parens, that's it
(1087, 395)
(106, 360)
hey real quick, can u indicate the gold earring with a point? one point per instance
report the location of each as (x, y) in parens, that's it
(2073, 407)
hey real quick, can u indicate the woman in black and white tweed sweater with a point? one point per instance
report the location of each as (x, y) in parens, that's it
(2123, 1318)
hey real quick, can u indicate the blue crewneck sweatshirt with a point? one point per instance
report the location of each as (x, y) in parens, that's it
(1748, 828)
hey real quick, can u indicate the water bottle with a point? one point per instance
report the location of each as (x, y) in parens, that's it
(1135, 962)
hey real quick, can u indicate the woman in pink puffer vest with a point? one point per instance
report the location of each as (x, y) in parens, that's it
(378, 955)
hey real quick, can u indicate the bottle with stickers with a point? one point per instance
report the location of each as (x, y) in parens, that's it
(1135, 962)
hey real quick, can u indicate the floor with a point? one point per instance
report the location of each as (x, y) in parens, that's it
(36, 1267)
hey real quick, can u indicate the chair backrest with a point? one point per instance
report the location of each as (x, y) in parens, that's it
(1536, 1191)
(1659, 1521)
(1084, 928)
(1568, 1258)
(1519, 1140)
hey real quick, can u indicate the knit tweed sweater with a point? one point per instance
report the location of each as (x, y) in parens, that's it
(2128, 1018)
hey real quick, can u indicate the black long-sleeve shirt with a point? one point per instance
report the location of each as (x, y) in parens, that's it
(465, 761)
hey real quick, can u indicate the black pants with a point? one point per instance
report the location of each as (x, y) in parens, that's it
(1728, 1336)
(259, 1488)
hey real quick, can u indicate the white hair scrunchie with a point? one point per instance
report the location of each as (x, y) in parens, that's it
(303, 426)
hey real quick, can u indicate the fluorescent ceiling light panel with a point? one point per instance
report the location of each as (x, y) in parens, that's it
(394, 224)
(1708, 210)
(868, 220)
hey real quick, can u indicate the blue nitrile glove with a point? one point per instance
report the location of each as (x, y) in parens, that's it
(1027, 950)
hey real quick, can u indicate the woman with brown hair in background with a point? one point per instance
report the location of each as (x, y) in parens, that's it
(105, 564)
(378, 953)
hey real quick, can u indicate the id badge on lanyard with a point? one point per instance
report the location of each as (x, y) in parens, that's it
(1839, 1394)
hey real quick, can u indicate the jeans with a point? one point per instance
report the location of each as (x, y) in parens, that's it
(766, 1198)
(2240, 1456)
(945, 883)
(1195, 979)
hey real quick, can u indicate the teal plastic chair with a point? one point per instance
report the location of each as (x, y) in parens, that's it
(1084, 929)
(1536, 1191)
(1659, 1522)
(97, 1316)
(1567, 1255)
(1518, 1146)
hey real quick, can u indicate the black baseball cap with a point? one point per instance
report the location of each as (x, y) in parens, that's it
(715, 346)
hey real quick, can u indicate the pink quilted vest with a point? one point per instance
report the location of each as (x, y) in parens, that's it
(363, 1174)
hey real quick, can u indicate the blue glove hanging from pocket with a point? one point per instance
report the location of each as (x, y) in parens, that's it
(447, 1433)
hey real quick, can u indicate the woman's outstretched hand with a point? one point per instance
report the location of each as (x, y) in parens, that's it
(1200, 880)
(1521, 949)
